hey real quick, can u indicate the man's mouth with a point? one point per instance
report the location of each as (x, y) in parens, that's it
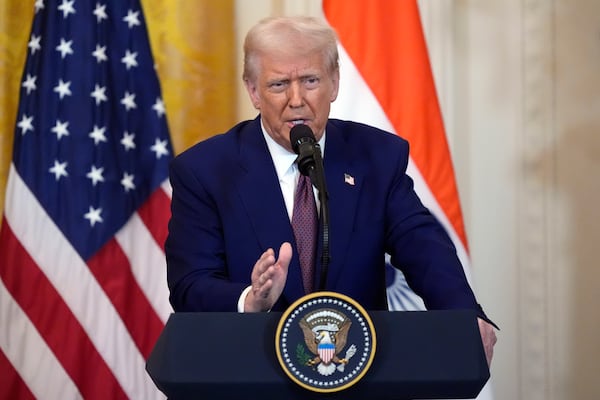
(297, 122)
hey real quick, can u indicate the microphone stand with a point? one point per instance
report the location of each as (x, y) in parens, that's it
(317, 178)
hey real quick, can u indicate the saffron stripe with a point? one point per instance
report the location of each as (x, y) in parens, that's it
(403, 85)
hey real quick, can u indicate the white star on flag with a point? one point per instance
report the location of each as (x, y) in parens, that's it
(95, 175)
(159, 107)
(93, 215)
(132, 18)
(99, 94)
(98, 134)
(25, 124)
(129, 59)
(127, 141)
(63, 88)
(59, 169)
(64, 48)
(67, 8)
(128, 101)
(39, 4)
(160, 148)
(34, 44)
(29, 83)
(100, 53)
(127, 182)
(100, 12)
(60, 128)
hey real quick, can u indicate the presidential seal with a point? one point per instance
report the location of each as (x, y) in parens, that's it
(325, 342)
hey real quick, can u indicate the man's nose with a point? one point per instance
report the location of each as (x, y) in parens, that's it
(296, 95)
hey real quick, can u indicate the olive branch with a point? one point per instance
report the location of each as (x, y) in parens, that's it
(301, 354)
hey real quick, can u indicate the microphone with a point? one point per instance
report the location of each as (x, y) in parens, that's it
(310, 163)
(304, 144)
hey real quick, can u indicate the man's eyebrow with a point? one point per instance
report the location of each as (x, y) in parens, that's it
(277, 80)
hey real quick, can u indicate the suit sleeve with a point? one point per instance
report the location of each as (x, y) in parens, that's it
(195, 249)
(421, 248)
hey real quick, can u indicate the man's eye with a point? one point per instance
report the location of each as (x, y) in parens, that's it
(277, 86)
(311, 82)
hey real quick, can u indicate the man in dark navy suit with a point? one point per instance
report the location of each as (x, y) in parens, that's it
(231, 245)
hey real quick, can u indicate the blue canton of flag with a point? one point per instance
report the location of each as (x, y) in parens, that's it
(91, 139)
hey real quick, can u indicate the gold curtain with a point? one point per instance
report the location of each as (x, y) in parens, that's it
(193, 43)
(15, 24)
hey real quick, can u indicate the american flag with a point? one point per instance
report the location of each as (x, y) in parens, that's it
(83, 293)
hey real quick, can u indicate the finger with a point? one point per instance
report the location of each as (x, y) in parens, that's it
(265, 261)
(285, 255)
(265, 289)
(488, 337)
(267, 258)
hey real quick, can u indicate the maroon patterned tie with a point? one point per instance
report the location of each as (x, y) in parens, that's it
(304, 223)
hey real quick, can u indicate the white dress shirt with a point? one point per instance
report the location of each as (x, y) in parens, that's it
(288, 174)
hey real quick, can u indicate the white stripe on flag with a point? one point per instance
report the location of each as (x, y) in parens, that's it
(71, 277)
(352, 87)
(37, 366)
(148, 264)
(166, 186)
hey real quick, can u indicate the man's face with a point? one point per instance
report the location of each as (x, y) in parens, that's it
(293, 89)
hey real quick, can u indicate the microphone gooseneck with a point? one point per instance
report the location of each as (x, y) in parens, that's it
(310, 163)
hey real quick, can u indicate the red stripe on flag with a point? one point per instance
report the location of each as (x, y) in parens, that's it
(12, 386)
(386, 43)
(46, 309)
(112, 270)
(155, 215)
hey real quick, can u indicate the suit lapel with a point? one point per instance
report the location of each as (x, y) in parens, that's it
(265, 207)
(344, 181)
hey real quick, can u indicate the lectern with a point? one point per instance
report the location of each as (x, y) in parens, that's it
(420, 355)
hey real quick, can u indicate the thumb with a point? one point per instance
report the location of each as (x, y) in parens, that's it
(285, 255)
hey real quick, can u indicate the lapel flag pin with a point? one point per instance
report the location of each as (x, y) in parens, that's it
(349, 179)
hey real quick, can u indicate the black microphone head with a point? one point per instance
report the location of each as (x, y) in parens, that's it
(301, 134)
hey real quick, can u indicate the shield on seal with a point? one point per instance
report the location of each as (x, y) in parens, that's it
(326, 352)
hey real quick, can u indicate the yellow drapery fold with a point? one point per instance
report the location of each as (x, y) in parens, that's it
(15, 24)
(193, 43)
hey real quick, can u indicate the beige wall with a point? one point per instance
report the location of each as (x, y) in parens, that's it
(520, 91)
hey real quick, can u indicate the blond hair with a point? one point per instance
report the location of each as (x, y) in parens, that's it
(281, 35)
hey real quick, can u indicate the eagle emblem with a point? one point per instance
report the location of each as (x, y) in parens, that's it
(318, 335)
(325, 335)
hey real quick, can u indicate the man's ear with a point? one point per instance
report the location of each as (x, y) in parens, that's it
(336, 84)
(253, 93)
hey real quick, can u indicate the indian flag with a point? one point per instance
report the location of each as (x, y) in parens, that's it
(386, 81)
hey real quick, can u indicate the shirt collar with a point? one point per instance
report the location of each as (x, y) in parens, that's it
(282, 158)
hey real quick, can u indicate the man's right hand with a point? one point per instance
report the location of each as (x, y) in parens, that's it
(268, 279)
